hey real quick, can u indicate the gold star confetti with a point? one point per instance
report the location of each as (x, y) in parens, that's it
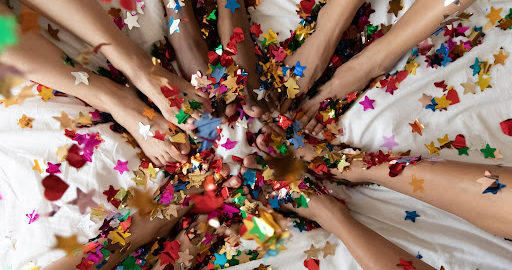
(484, 82)
(442, 102)
(37, 167)
(68, 244)
(62, 152)
(65, 121)
(432, 149)
(84, 119)
(46, 93)
(444, 140)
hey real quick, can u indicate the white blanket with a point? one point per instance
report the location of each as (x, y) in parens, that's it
(441, 238)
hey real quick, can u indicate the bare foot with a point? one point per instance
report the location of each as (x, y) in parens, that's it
(245, 58)
(150, 81)
(128, 113)
(350, 77)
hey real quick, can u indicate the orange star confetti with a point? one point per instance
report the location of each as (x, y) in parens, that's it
(416, 183)
(500, 58)
(29, 20)
(494, 15)
(149, 113)
(25, 121)
(417, 127)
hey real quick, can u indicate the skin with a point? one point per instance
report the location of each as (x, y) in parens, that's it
(451, 186)
(95, 27)
(41, 61)
(369, 249)
(441, 181)
(417, 24)
(245, 58)
(195, 58)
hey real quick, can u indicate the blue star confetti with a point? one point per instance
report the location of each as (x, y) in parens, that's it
(232, 5)
(299, 69)
(250, 177)
(411, 215)
(476, 67)
(207, 130)
(494, 188)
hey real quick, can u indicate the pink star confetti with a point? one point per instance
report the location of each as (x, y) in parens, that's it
(367, 103)
(53, 168)
(121, 167)
(389, 142)
(229, 144)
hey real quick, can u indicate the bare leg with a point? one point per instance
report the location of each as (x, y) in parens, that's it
(42, 62)
(369, 249)
(143, 230)
(317, 50)
(89, 21)
(451, 186)
(418, 23)
(190, 47)
(246, 58)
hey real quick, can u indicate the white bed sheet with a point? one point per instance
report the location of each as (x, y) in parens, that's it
(440, 237)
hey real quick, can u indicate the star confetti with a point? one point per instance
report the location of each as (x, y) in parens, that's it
(145, 130)
(499, 59)
(406, 265)
(69, 244)
(367, 103)
(121, 167)
(488, 151)
(229, 144)
(65, 121)
(395, 6)
(149, 113)
(25, 121)
(84, 200)
(416, 127)
(182, 117)
(81, 77)
(131, 20)
(389, 142)
(416, 183)
(411, 215)
(232, 5)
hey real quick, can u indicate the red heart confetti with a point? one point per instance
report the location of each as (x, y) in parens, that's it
(54, 187)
